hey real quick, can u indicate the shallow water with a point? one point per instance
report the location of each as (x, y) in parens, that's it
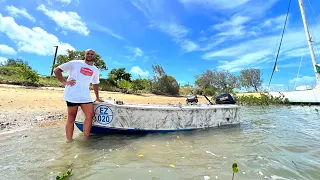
(277, 143)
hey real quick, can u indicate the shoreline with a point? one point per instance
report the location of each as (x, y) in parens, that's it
(24, 107)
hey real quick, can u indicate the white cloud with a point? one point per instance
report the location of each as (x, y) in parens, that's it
(237, 27)
(15, 12)
(135, 51)
(233, 27)
(178, 34)
(252, 8)
(105, 30)
(189, 46)
(3, 59)
(159, 18)
(256, 8)
(66, 20)
(136, 70)
(215, 4)
(64, 32)
(234, 21)
(4, 49)
(254, 52)
(64, 2)
(35, 40)
(287, 65)
(304, 80)
(298, 52)
(276, 22)
(138, 52)
(246, 60)
(176, 31)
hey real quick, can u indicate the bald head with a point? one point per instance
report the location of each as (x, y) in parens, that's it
(90, 50)
(89, 55)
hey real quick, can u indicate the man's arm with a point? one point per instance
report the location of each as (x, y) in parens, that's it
(58, 72)
(96, 92)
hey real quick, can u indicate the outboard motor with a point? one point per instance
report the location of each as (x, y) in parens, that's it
(225, 98)
(192, 99)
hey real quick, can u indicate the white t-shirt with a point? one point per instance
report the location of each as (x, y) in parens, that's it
(84, 74)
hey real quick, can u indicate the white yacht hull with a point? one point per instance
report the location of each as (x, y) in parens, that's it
(297, 97)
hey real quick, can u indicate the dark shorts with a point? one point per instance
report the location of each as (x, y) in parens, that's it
(76, 104)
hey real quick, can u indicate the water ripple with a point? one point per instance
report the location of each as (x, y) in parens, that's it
(273, 143)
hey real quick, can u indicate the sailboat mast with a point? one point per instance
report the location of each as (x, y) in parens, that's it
(313, 57)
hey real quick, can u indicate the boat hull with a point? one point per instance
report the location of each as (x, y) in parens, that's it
(130, 118)
(300, 97)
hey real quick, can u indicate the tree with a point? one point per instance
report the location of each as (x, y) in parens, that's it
(251, 78)
(124, 85)
(139, 84)
(216, 81)
(16, 63)
(169, 85)
(72, 55)
(121, 74)
(163, 83)
(158, 72)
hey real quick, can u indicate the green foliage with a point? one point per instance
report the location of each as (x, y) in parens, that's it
(209, 91)
(210, 83)
(50, 81)
(216, 81)
(158, 72)
(64, 175)
(29, 74)
(106, 85)
(117, 75)
(163, 83)
(263, 100)
(140, 84)
(187, 90)
(79, 55)
(124, 85)
(20, 69)
(10, 71)
(234, 169)
(251, 78)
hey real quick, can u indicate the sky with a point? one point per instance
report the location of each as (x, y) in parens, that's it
(186, 37)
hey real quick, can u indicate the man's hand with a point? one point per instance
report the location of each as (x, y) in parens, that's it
(99, 100)
(71, 82)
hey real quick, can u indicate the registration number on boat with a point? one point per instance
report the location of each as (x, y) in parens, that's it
(103, 114)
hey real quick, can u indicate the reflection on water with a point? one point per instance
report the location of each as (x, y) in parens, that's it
(278, 143)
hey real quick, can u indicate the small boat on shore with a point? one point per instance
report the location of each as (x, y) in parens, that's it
(114, 117)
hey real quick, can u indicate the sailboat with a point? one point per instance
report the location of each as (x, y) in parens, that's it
(303, 94)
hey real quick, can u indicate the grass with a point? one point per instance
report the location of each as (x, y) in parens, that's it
(18, 80)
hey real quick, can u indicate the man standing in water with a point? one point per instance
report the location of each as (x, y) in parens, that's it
(77, 92)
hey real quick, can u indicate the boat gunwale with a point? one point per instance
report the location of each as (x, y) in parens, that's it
(170, 107)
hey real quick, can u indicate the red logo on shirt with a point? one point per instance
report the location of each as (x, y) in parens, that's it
(86, 71)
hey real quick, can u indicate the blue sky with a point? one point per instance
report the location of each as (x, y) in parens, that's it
(186, 37)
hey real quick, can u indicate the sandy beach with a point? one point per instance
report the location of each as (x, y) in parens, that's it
(26, 107)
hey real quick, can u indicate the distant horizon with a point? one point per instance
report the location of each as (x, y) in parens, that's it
(186, 37)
